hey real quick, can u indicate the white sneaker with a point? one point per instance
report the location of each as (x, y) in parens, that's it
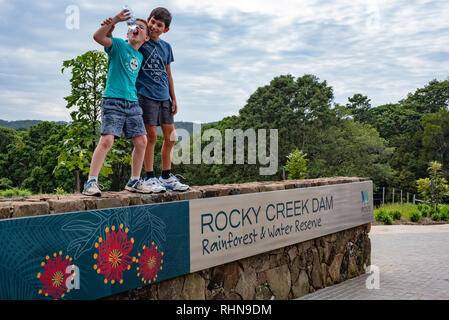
(172, 183)
(91, 188)
(137, 185)
(155, 185)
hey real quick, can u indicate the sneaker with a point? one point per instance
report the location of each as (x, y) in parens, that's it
(137, 185)
(155, 185)
(172, 183)
(92, 188)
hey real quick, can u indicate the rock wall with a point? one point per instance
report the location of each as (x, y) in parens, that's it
(285, 273)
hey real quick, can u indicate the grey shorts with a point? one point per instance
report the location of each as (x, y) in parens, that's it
(156, 112)
(119, 115)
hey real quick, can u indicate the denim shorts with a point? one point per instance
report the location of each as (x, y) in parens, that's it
(122, 116)
(156, 112)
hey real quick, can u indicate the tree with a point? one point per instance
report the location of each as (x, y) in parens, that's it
(359, 107)
(435, 136)
(89, 72)
(296, 165)
(436, 187)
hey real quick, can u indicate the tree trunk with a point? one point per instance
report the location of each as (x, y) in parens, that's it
(77, 181)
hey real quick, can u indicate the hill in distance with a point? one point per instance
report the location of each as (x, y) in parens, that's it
(26, 124)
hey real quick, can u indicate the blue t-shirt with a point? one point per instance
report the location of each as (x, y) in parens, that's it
(124, 63)
(152, 81)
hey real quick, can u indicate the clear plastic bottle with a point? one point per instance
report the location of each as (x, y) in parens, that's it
(132, 23)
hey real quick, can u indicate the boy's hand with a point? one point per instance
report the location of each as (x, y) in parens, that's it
(174, 107)
(108, 22)
(122, 16)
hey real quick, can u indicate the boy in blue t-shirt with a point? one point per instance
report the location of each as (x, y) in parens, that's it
(156, 94)
(120, 111)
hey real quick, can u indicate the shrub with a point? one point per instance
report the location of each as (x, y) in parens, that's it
(379, 213)
(14, 192)
(432, 211)
(296, 165)
(425, 211)
(383, 216)
(5, 184)
(420, 206)
(435, 217)
(395, 214)
(415, 216)
(444, 213)
(387, 219)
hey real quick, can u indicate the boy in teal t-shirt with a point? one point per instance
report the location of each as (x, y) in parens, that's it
(120, 110)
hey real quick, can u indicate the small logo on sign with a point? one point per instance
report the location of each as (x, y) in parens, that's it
(366, 207)
(365, 198)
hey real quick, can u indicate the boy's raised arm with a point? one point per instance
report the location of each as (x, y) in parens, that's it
(102, 34)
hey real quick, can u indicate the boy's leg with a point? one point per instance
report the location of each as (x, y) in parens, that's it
(103, 147)
(140, 144)
(168, 130)
(149, 151)
(134, 128)
(168, 180)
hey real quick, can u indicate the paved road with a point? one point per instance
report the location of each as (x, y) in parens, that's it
(413, 263)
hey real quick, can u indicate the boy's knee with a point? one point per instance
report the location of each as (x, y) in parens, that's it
(170, 136)
(140, 142)
(151, 138)
(106, 142)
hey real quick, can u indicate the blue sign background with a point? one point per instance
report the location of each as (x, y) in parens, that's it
(30, 246)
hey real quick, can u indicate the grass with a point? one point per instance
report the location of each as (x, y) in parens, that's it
(14, 192)
(405, 208)
(408, 209)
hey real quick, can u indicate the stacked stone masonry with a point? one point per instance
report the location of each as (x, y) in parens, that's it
(285, 273)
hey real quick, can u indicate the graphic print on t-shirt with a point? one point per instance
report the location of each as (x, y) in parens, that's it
(155, 65)
(132, 64)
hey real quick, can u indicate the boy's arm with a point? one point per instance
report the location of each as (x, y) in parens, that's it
(108, 21)
(101, 36)
(171, 87)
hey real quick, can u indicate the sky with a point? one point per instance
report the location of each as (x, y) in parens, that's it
(225, 49)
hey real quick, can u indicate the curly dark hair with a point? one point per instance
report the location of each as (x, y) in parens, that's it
(161, 14)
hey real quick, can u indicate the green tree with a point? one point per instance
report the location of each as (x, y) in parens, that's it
(296, 165)
(88, 81)
(359, 107)
(436, 186)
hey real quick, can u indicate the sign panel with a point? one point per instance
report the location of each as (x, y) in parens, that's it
(93, 254)
(229, 228)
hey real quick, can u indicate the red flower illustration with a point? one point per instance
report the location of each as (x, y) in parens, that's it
(54, 276)
(150, 263)
(113, 254)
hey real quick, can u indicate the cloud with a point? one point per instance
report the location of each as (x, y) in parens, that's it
(225, 50)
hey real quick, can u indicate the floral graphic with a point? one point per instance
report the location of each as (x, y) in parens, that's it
(113, 254)
(54, 276)
(150, 262)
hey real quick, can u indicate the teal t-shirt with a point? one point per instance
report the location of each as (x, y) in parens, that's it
(123, 68)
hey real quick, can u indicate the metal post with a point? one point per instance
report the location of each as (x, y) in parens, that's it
(383, 196)
(407, 197)
(414, 199)
(393, 195)
(401, 197)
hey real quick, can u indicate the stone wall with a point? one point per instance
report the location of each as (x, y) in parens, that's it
(285, 273)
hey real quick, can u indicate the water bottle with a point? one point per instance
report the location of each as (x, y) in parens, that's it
(131, 22)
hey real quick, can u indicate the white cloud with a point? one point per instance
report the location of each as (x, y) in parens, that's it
(224, 50)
